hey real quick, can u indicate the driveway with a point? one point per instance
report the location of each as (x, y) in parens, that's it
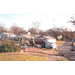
(65, 48)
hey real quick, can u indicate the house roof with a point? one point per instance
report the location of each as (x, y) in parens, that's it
(36, 36)
(30, 36)
(26, 35)
(49, 37)
(8, 33)
(46, 37)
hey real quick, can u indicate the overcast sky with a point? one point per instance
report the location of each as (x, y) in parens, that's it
(46, 20)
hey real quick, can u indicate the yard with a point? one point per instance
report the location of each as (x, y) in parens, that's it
(58, 43)
(32, 54)
(21, 57)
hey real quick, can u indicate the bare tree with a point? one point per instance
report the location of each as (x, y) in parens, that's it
(36, 25)
(72, 21)
(23, 31)
(49, 32)
(56, 31)
(16, 30)
(2, 28)
(41, 32)
(34, 28)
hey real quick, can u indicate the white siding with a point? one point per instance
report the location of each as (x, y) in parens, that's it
(6, 35)
(50, 42)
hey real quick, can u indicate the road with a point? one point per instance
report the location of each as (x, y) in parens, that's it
(65, 48)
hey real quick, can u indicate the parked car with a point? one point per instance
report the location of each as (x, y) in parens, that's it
(73, 48)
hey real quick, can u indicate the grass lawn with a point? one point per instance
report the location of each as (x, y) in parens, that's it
(33, 54)
(62, 59)
(12, 56)
(58, 43)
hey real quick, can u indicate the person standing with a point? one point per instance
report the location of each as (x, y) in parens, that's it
(33, 42)
(23, 45)
(22, 42)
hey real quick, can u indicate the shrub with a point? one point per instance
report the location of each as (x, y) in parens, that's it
(9, 46)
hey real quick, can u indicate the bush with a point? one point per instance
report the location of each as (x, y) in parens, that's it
(8, 46)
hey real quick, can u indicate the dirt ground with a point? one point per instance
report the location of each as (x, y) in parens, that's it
(36, 52)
